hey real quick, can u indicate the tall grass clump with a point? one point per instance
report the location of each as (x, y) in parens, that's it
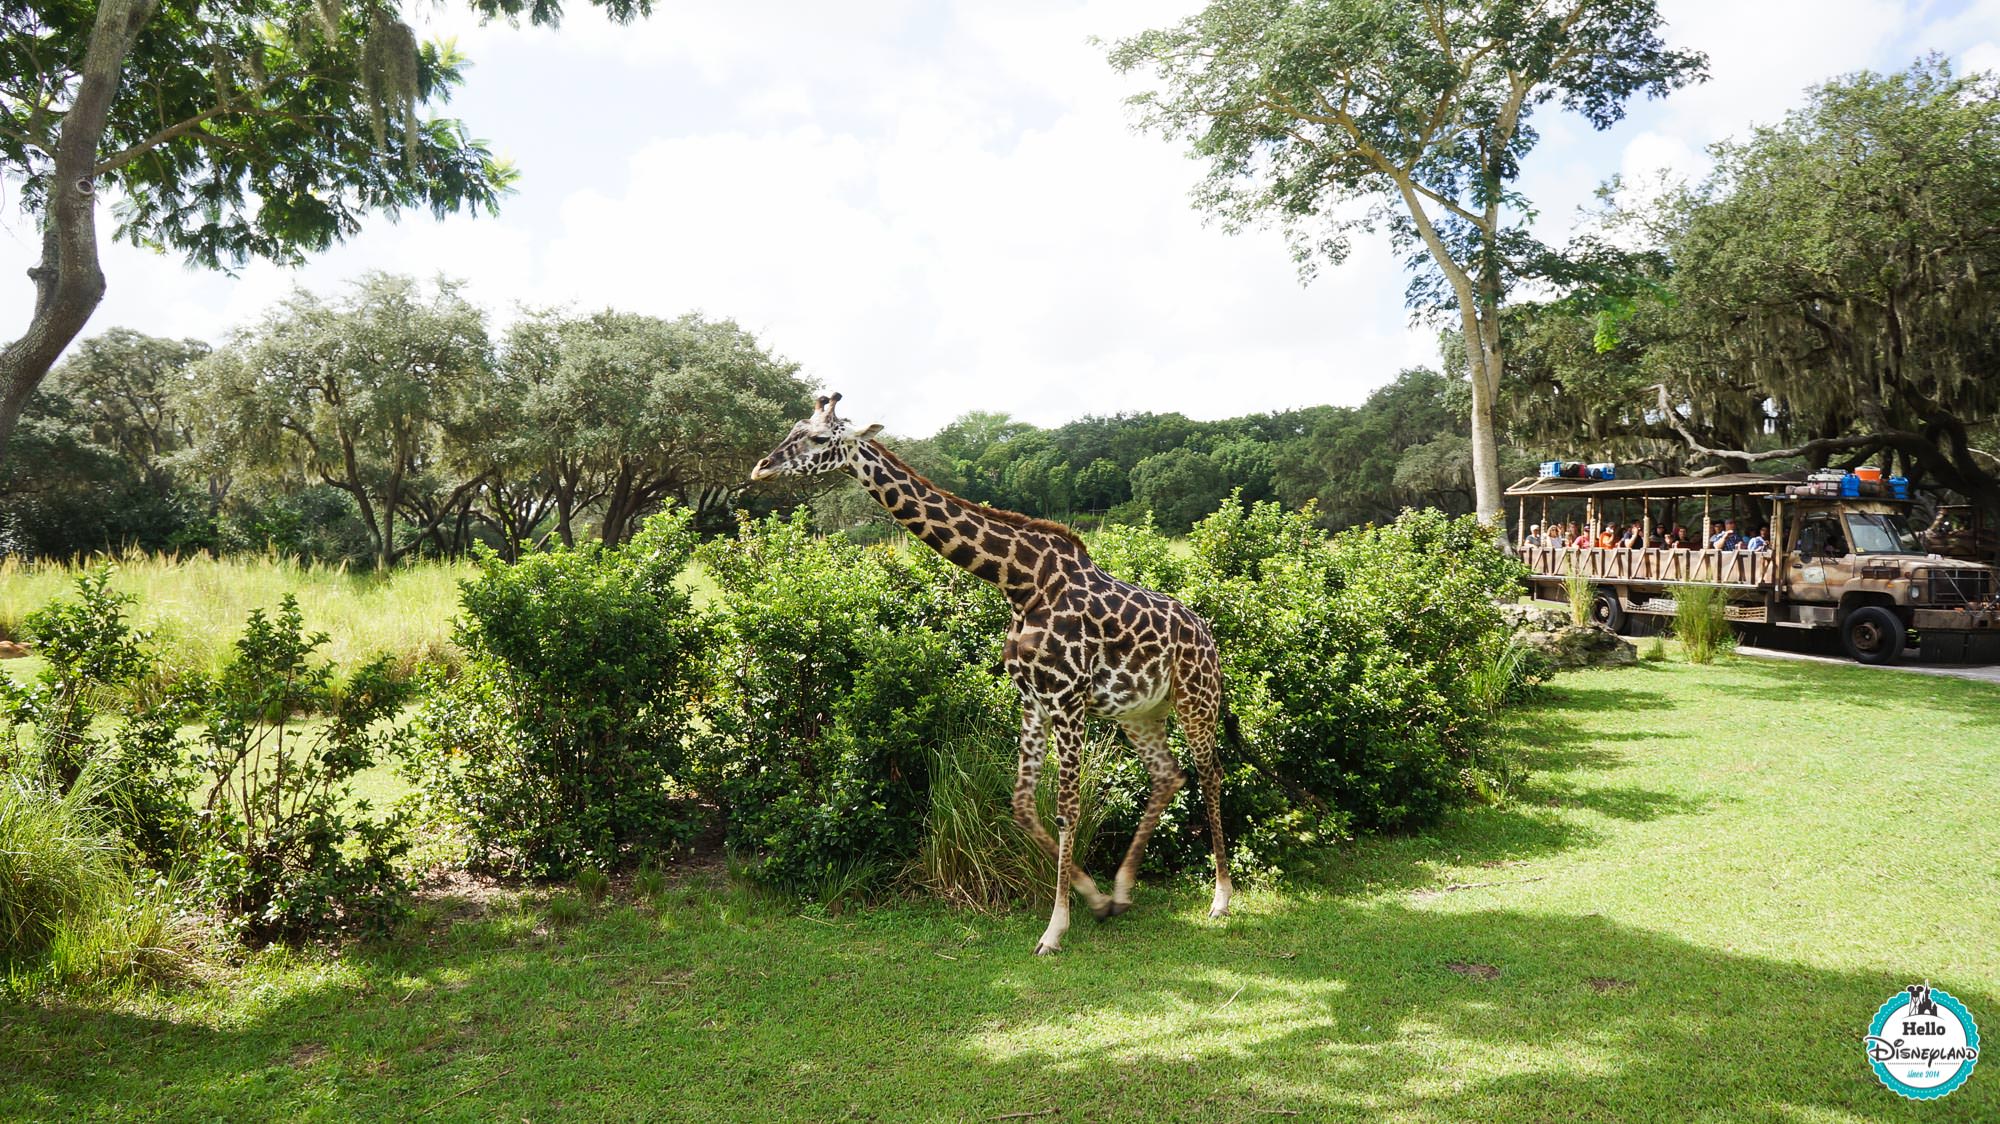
(1701, 623)
(972, 853)
(1507, 673)
(59, 864)
(1576, 585)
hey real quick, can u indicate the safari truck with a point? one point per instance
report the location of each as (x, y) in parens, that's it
(1840, 564)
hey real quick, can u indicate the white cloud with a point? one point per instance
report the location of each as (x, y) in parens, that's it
(940, 207)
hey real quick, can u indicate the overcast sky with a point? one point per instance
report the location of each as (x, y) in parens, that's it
(939, 207)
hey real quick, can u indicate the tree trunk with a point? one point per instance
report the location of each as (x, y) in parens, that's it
(1483, 363)
(68, 281)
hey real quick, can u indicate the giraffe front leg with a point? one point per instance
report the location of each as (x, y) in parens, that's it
(1066, 738)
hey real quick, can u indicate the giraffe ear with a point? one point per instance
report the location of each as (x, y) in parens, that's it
(868, 433)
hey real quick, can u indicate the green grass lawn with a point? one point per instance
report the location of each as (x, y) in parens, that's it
(1711, 880)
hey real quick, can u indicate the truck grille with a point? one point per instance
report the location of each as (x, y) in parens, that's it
(1961, 587)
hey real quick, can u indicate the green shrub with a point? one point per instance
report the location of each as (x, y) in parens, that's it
(560, 747)
(84, 710)
(1361, 671)
(92, 655)
(845, 672)
(1701, 622)
(281, 858)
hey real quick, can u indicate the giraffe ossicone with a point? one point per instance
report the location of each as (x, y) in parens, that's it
(1080, 644)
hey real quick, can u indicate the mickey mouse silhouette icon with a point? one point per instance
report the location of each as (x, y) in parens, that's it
(1921, 1002)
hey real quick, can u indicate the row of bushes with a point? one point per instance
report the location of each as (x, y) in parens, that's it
(839, 714)
(229, 795)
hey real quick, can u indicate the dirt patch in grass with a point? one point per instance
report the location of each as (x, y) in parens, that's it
(1474, 971)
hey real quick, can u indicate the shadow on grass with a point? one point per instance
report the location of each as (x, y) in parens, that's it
(721, 1009)
(1806, 684)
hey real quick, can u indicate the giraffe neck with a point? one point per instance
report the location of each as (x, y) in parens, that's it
(1020, 560)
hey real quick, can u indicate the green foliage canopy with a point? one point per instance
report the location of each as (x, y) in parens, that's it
(1327, 116)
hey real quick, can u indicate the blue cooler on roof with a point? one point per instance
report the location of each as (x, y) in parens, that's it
(1899, 487)
(1550, 468)
(1850, 486)
(1603, 471)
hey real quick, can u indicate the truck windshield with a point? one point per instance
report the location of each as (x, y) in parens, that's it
(1881, 534)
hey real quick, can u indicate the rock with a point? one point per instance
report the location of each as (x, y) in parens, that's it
(1567, 645)
(1534, 618)
(1589, 645)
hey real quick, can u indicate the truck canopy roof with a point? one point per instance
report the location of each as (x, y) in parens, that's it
(1732, 483)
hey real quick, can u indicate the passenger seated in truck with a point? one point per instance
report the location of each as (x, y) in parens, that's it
(1761, 540)
(1727, 538)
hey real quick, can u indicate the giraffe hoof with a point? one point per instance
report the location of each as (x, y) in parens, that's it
(1119, 907)
(1218, 913)
(1105, 910)
(1043, 948)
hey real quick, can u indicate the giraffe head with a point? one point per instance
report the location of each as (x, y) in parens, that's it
(820, 443)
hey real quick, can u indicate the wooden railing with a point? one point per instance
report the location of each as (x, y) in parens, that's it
(1655, 564)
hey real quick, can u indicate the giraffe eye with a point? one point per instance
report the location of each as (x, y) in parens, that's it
(819, 438)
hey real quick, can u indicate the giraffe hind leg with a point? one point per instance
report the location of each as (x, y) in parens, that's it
(1149, 738)
(1198, 714)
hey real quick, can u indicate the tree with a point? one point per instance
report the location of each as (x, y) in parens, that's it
(356, 394)
(252, 128)
(632, 410)
(1836, 286)
(128, 387)
(1422, 110)
(1179, 487)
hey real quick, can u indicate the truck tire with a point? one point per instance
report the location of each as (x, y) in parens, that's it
(1873, 635)
(1605, 609)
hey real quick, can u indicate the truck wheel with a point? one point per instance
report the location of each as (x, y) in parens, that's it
(1605, 610)
(1873, 634)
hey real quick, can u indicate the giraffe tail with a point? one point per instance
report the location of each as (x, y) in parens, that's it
(1232, 730)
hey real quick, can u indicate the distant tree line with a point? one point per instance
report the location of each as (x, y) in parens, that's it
(1404, 446)
(389, 423)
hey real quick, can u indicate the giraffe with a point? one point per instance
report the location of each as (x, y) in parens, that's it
(1081, 643)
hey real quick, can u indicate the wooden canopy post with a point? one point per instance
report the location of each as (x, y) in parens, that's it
(1521, 526)
(1707, 524)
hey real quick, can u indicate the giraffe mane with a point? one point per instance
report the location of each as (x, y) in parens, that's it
(997, 514)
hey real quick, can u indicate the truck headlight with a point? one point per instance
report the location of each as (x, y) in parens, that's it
(1916, 591)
